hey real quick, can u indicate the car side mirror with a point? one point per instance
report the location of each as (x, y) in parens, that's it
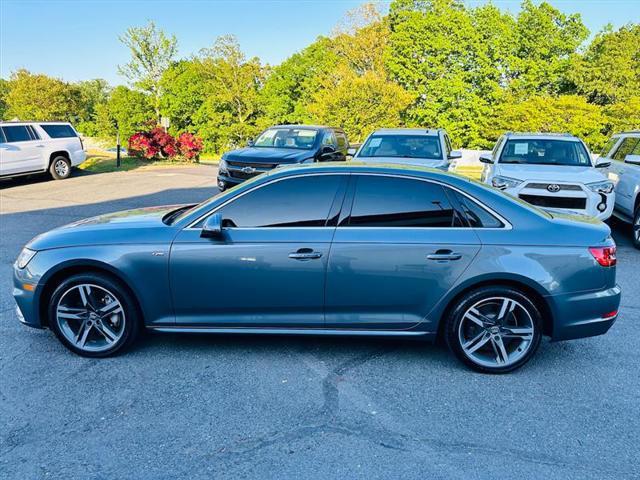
(351, 151)
(602, 163)
(212, 227)
(327, 150)
(632, 159)
(486, 158)
(250, 143)
(454, 154)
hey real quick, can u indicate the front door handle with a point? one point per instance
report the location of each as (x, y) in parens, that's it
(444, 255)
(305, 254)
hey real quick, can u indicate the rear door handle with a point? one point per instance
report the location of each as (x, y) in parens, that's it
(305, 254)
(444, 255)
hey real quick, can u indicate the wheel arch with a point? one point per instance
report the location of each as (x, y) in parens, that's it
(53, 278)
(537, 293)
(56, 153)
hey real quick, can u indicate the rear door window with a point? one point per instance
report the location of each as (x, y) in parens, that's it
(343, 144)
(382, 201)
(59, 131)
(16, 133)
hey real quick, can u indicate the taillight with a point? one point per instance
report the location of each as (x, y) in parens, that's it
(605, 256)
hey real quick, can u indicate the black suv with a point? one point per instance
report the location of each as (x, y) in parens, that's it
(282, 145)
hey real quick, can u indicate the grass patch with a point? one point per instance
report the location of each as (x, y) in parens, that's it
(103, 162)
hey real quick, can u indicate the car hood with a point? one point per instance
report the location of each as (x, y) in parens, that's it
(424, 162)
(140, 225)
(268, 155)
(550, 173)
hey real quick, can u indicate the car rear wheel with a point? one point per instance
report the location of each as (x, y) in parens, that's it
(494, 329)
(60, 168)
(93, 315)
(636, 228)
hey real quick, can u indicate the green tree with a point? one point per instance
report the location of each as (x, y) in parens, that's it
(609, 71)
(126, 111)
(545, 40)
(152, 51)
(360, 104)
(4, 90)
(289, 87)
(228, 117)
(565, 113)
(185, 87)
(624, 115)
(92, 93)
(39, 97)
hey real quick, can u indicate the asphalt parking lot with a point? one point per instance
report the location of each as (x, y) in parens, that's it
(275, 407)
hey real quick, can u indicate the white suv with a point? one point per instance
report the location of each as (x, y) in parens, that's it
(623, 152)
(553, 171)
(34, 147)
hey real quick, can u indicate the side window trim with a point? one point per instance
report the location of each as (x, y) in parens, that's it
(350, 197)
(202, 218)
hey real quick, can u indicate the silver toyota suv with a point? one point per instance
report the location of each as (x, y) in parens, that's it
(623, 151)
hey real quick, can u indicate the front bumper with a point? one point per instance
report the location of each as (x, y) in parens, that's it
(579, 315)
(594, 204)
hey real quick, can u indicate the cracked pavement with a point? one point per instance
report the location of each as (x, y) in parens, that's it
(194, 406)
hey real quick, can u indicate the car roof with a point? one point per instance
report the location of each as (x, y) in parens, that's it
(408, 131)
(543, 136)
(29, 122)
(308, 127)
(630, 132)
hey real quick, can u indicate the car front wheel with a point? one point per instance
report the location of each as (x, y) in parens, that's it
(93, 315)
(494, 329)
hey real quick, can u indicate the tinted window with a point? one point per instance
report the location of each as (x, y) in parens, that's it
(636, 150)
(625, 148)
(545, 152)
(16, 133)
(34, 135)
(477, 216)
(295, 202)
(59, 131)
(329, 139)
(400, 202)
(342, 140)
(402, 146)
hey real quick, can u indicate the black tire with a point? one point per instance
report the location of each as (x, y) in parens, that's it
(635, 230)
(130, 317)
(453, 329)
(60, 167)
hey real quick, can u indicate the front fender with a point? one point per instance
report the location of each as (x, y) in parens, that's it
(143, 268)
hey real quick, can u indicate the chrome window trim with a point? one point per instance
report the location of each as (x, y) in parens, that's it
(506, 224)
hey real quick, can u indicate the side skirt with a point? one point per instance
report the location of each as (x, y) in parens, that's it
(294, 331)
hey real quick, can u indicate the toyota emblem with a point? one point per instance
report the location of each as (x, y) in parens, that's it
(553, 188)
(248, 170)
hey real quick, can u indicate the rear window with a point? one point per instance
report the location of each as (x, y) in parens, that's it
(59, 131)
(402, 146)
(16, 133)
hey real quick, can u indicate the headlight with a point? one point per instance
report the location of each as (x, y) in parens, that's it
(223, 167)
(601, 187)
(25, 257)
(504, 182)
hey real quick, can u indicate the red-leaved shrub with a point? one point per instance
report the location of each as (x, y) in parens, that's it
(157, 143)
(189, 145)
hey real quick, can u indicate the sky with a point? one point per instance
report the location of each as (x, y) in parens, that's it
(78, 39)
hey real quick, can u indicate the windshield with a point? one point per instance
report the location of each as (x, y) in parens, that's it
(283, 137)
(403, 146)
(545, 152)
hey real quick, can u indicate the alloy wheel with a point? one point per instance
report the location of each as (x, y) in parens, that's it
(90, 317)
(496, 332)
(636, 227)
(61, 167)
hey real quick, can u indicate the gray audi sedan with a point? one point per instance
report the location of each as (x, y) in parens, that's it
(331, 249)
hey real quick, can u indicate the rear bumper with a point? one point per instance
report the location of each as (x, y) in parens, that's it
(580, 315)
(78, 157)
